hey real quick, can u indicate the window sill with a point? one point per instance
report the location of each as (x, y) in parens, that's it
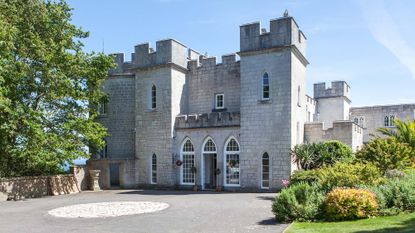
(267, 101)
(151, 110)
(219, 110)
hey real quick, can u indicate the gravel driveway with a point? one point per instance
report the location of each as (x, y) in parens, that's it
(187, 212)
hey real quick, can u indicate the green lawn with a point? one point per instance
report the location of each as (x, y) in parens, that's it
(404, 223)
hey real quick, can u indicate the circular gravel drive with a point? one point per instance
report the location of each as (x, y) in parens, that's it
(108, 209)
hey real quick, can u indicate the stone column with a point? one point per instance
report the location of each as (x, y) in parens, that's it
(94, 175)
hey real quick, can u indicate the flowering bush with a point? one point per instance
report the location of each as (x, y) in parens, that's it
(350, 204)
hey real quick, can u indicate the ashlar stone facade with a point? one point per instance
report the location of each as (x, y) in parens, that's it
(178, 119)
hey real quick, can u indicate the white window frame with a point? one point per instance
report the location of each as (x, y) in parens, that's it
(392, 122)
(262, 171)
(225, 158)
(263, 85)
(204, 152)
(216, 101)
(182, 154)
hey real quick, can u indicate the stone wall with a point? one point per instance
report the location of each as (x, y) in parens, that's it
(206, 78)
(127, 172)
(37, 186)
(374, 116)
(120, 116)
(345, 131)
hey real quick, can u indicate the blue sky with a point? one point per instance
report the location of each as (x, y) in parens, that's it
(368, 43)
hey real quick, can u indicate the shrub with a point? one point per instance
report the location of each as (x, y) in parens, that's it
(340, 175)
(387, 154)
(315, 155)
(301, 202)
(350, 204)
(404, 132)
(396, 195)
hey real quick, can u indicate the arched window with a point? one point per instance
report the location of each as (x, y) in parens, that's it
(154, 169)
(391, 120)
(265, 87)
(209, 146)
(265, 171)
(386, 121)
(188, 159)
(103, 153)
(232, 162)
(299, 96)
(356, 120)
(361, 121)
(153, 97)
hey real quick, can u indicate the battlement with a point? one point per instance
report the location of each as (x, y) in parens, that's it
(337, 89)
(167, 51)
(207, 63)
(283, 31)
(208, 120)
(347, 132)
(311, 100)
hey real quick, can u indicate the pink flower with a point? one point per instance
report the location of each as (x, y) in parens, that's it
(285, 183)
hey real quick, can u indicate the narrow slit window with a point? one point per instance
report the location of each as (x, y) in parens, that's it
(154, 169)
(153, 97)
(265, 171)
(265, 87)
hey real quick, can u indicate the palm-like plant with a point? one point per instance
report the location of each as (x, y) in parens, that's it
(404, 132)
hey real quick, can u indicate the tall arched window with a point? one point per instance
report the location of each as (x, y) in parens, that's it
(188, 159)
(361, 121)
(265, 171)
(386, 121)
(103, 153)
(299, 96)
(391, 120)
(356, 120)
(153, 97)
(232, 162)
(154, 169)
(265, 87)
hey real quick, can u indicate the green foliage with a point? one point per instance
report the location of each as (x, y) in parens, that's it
(396, 195)
(387, 154)
(340, 175)
(300, 202)
(316, 155)
(404, 132)
(48, 86)
(350, 204)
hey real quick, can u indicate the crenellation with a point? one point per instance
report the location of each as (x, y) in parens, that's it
(283, 31)
(208, 120)
(172, 93)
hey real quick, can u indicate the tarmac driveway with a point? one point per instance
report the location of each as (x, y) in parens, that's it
(188, 212)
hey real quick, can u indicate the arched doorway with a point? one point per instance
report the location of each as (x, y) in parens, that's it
(209, 164)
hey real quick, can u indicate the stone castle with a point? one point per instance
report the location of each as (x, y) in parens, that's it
(179, 119)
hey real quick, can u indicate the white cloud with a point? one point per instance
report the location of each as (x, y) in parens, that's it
(385, 31)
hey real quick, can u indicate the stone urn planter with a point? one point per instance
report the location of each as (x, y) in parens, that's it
(94, 175)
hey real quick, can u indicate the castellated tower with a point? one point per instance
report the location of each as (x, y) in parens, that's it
(333, 103)
(273, 83)
(160, 78)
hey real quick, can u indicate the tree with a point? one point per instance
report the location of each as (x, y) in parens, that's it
(48, 89)
(404, 132)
